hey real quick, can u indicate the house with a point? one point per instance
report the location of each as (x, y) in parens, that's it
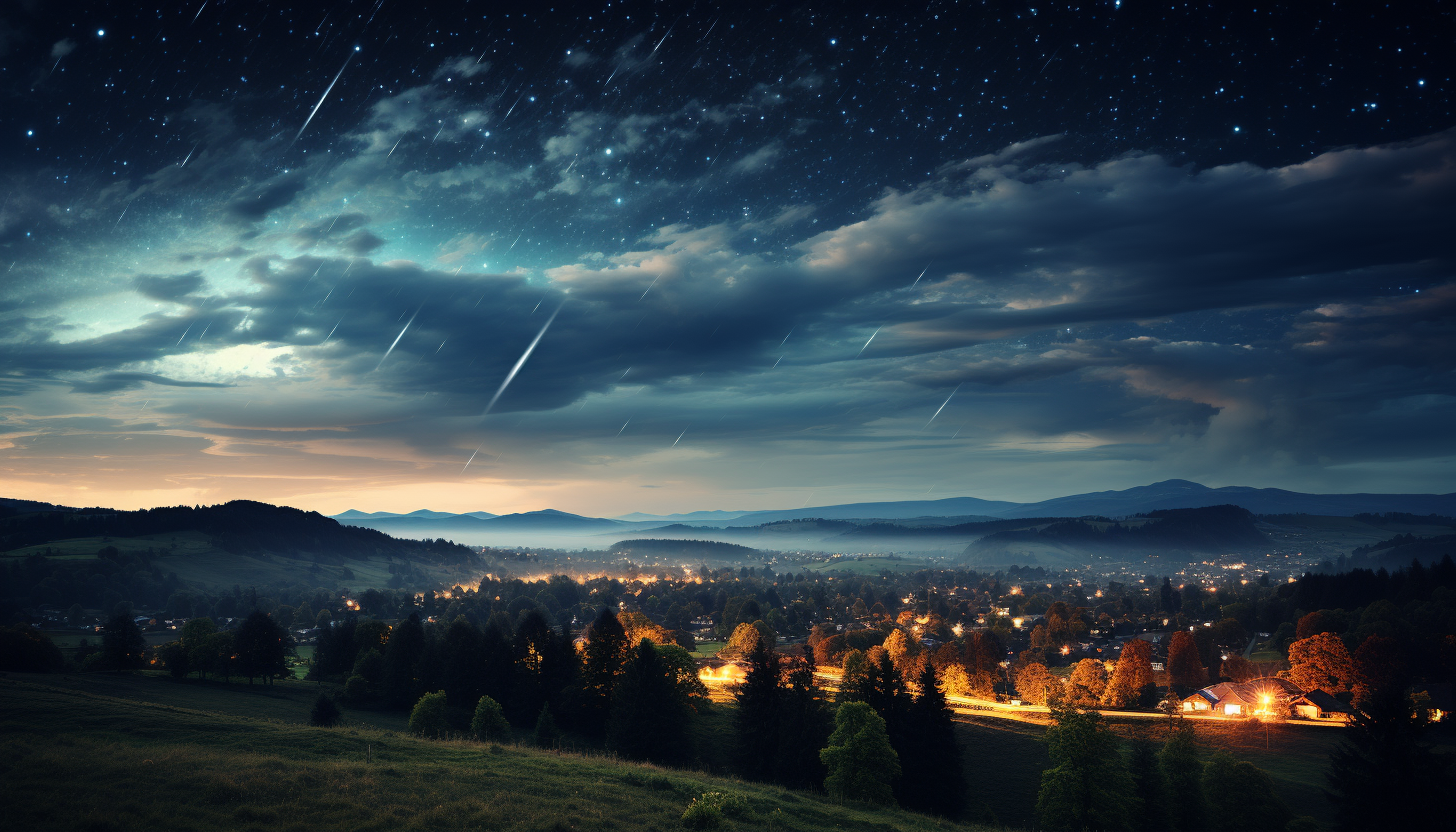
(1256, 697)
(1317, 704)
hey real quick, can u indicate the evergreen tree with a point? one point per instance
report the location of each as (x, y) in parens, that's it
(545, 662)
(401, 660)
(1383, 770)
(931, 763)
(861, 764)
(1183, 772)
(606, 650)
(804, 728)
(546, 734)
(460, 657)
(497, 670)
(1241, 797)
(122, 645)
(1149, 784)
(650, 717)
(1088, 786)
(756, 721)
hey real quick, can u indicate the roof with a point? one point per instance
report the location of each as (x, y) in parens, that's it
(1250, 693)
(1324, 701)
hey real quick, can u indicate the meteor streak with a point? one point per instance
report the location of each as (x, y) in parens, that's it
(867, 343)
(943, 404)
(522, 361)
(396, 339)
(325, 95)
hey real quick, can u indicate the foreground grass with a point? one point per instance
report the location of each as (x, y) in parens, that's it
(79, 759)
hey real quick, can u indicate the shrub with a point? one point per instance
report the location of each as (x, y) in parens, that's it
(489, 723)
(428, 719)
(708, 810)
(325, 713)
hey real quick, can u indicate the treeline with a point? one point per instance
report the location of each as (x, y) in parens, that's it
(1199, 529)
(241, 527)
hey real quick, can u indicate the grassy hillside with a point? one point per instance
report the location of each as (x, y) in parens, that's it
(151, 765)
(1004, 761)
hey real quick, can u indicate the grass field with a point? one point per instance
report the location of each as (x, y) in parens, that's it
(126, 718)
(79, 758)
(1004, 761)
(708, 649)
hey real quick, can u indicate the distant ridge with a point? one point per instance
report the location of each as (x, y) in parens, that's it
(1158, 496)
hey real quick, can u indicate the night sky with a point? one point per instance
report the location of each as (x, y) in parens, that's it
(756, 256)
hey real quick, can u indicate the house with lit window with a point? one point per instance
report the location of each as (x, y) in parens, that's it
(1256, 697)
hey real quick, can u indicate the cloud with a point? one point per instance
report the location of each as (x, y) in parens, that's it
(112, 382)
(759, 159)
(62, 48)
(462, 67)
(173, 288)
(257, 202)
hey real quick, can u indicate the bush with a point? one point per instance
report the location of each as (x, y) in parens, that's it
(325, 713)
(27, 650)
(489, 722)
(428, 719)
(708, 810)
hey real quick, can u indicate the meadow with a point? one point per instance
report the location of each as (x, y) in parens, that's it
(78, 758)
(223, 741)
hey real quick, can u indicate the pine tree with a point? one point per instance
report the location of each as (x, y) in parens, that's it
(401, 659)
(650, 718)
(756, 721)
(546, 734)
(931, 763)
(1187, 810)
(1149, 784)
(1383, 770)
(461, 671)
(606, 649)
(804, 728)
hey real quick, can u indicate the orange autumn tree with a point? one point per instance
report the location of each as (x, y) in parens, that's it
(1321, 661)
(1132, 678)
(1185, 666)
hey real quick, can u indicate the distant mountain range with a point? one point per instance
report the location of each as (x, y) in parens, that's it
(1169, 494)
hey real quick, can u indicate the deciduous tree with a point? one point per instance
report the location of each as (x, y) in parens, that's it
(1132, 677)
(1036, 685)
(122, 645)
(1321, 661)
(1241, 796)
(1087, 786)
(861, 764)
(1187, 809)
(429, 717)
(1185, 666)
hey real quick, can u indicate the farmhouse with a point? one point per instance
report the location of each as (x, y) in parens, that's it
(1256, 697)
(1319, 705)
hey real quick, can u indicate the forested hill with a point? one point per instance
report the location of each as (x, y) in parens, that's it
(1186, 529)
(684, 548)
(241, 527)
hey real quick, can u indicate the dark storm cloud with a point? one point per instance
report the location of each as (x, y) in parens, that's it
(173, 288)
(257, 202)
(112, 382)
(338, 226)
